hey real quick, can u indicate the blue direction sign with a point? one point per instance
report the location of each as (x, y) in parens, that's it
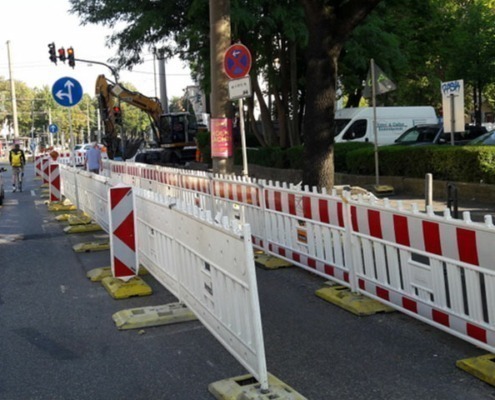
(67, 92)
(53, 128)
(237, 61)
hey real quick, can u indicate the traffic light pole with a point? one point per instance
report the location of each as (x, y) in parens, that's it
(114, 71)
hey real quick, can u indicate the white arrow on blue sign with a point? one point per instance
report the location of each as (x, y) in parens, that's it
(53, 128)
(67, 92)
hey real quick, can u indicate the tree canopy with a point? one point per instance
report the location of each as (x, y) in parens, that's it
(305, 61)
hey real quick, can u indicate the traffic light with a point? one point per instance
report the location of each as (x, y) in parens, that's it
(51, 51)
(61, 54)
(70, 56)
(117, 115)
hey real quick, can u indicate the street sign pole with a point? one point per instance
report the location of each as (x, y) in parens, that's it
(237, 64)
(71, 144)
(243, 138)
(68, 92)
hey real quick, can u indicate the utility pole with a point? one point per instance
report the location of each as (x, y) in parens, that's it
(12, 92)
(220, 40)
(163, 82)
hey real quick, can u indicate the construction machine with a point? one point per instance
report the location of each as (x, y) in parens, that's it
(173, 133)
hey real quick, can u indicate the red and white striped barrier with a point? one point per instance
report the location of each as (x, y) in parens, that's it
(122, 235)
(45, 170)
(437, 269)
(55, 194)
(38, 166)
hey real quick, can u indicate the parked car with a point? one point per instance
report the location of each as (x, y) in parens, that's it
(485, 139)
(427, 134)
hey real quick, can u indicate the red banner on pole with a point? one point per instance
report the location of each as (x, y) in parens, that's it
(221, 137)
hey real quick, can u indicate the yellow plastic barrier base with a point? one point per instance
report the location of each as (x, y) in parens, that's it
(246, 387)
(482, 367)
(383, 190)
(144, 317)
(79, 219)
(267, 261)
(98, 274)
(63, 217)
(353, 302)
(83, 228)
(90, 246)
(57, 206)
(119, 289)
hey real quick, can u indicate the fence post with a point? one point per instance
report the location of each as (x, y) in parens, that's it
(452, 199)
(348, 247)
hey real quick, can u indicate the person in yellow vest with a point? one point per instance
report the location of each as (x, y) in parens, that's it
(17, 160)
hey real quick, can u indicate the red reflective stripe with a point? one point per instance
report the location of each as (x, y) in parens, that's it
(401, 229)
(340, 214)
(476, 332)
(278, 202)
(466, 243)
(292, 204)
(354, 221)
(307, 207)
(440, 317)
(410, 305)
(323, 209)
(375, 224)
(431, 237)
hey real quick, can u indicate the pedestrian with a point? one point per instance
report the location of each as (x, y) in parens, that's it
(17, 160)
(93, 159)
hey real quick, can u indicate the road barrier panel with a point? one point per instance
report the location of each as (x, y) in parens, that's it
(122, 232)
(54, 178)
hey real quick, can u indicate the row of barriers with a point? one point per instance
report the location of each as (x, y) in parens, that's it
(208, 265)
(435, 268)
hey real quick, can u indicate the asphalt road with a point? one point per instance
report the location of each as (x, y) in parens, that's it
(58, 340)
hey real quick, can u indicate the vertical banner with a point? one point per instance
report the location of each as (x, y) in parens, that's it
(453, 106)
(221, 137)
(122, 232)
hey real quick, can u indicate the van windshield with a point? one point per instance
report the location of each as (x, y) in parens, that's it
(340, 124)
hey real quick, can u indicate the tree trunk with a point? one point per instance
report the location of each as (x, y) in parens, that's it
(329, 25)
(266, 119)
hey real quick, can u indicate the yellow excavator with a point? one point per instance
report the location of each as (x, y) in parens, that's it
(173, 133)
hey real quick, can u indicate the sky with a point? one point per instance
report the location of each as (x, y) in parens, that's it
(29, 25)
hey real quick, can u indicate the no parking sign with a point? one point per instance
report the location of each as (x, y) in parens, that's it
(237, 61)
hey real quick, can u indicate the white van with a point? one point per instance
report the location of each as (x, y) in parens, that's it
(357, 123)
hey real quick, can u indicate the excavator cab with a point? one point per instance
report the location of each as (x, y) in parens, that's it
(177, 129)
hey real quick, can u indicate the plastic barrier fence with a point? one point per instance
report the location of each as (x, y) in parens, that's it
(210, 267)
(207, 265)
(436, 269)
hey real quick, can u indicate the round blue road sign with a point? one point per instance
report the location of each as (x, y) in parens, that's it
(67, 92)
(237, 61)
(53, 128)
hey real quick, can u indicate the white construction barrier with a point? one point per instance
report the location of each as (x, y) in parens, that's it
(208, 266)
(436, 269)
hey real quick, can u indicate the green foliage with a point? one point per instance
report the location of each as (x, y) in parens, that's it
(340, 151)
(455, 163)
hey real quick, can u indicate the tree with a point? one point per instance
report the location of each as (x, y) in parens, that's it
(329, 24)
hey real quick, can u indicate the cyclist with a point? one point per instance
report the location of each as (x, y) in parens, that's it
(17, 160)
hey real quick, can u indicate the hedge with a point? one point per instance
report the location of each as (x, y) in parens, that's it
(456, 163)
